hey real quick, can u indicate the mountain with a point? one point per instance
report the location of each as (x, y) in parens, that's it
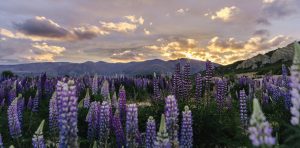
(262, 63)
(103, 68)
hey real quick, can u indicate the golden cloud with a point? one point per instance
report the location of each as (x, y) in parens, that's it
(225, 14)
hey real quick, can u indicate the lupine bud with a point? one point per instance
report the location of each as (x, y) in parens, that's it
(260, 129)
(295, 83)
(186, 136)
(114, 100)
(87, 98)
(171, 112)
(243, 109)
(131, 125)
(13, 120)
(162, 139)
(150, 132)
(38, 138)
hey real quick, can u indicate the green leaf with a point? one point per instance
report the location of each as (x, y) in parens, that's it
(39, 131)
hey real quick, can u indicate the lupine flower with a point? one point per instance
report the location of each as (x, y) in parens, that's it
(285, 81)
(105, 91)
(53, 114)
(199, 85)
(29, 103)
(122, 102)
(131, 125)
(260, 129)
(20, 105)
(186, 136)
(162, 139)
(93, 121)
(13, 120)
(243, 109)
(156, 90)
(67, 104)
(35, 103)
(38, 138)
(114, 100)
(11, 95)
(171, 112)
(208, 75)
(1, 142)
(118, 130)
(2, 103)
(87, 98)
(187, 84)
(104, 123)
(150, 132)
(220, 98)
(177, 82)
(95, 85)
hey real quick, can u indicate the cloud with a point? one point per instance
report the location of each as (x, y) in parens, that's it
(43, 29)
(263, 21)
(119, 27)
(44, 52)
(183, 11)
(49, 49)
(261, 32)
(278, 8)
(225, 14)
(147, 32)
(134, 19)
(127, 55)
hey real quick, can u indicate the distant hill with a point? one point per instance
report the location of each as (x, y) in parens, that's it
(103, 68)
(270, 62)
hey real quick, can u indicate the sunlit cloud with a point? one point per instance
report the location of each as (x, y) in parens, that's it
(119, 27)
(225, 14)
(134, 19)
(127, 56)
(182, 11)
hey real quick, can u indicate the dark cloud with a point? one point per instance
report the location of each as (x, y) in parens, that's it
(42, 27)
(263, 21)
(261, 32)
(279, 8)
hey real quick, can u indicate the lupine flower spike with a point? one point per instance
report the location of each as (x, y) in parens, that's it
(162, 139)
(186, 136)
(38, 138)
(150, 132)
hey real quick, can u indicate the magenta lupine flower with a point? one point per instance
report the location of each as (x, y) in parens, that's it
(171, 112)
(67, 107)
(186, 135)
(38, 137)
(199, 86)
(187, 84)
(132, 125)
(150, 132)
(118, 130)
(13, 120)
(35, 102)
(95, 85)
(93, 121)
(53, 114)
(295, 81)
(243, 109)
(104, 123)
(162, 139)
(260, 129)
(87, 98)
(29, 103)
(156, 90)
(122, 102)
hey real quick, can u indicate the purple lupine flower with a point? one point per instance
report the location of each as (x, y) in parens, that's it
(243, 109)
(20, 105)
(29, 103)
(220, 98)
(132, 125)
(2, 103)
(150, 132)
(177, 83)
(171, 112)
(187, 84)
(35, 102)
(156, 90)
(11, 95)
(13, 120)
(208, 76)
(162, 139)
(95, 85)
(122, 102)
(104, 123)
(285, 81)
(199, 85)
(38, 138)
(67, 104)
(186, 135)
(295, 89)
(93, 121)
(260, 129)
(53, 114)
(87, 98)
(105, 91)
(118, 130)
(1, 142)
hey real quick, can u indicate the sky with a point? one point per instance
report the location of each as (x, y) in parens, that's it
(222, 31)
